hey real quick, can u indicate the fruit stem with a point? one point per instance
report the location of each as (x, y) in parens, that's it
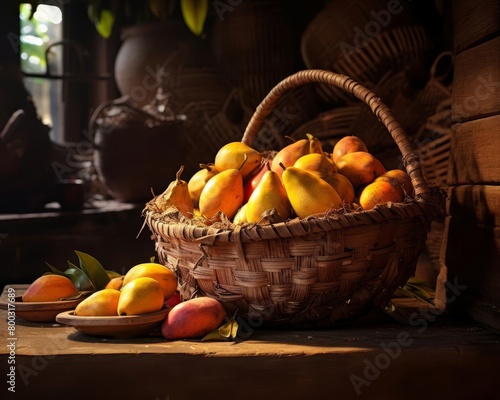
(282, 166)
(243, 163)
(179, 173)
(210, 167)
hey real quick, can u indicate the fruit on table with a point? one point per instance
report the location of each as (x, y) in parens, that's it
(199, 180)
(269, 194)
(399, 179)
(309, 194)
(343, 187)
(115, 283)
(317, 164)
(193, 318)
(163, 275)
(233, 156)
(141, 296)
(360, 167)
(378, 193)
(101, 303)
(222, 193)
(348, 144)
(176, 195)
(50, 287)
(289, 154)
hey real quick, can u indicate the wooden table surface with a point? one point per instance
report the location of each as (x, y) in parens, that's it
(445, 359)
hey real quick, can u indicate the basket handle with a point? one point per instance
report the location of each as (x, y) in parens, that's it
(411, 160)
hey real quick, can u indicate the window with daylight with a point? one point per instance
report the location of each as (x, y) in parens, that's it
(41, 31)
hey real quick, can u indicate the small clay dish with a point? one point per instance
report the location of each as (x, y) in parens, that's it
(117, 327)
(39, 311)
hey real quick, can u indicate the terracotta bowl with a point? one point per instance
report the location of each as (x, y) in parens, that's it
(43, 311)
(118, 327)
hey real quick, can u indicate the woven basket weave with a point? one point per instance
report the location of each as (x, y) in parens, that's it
(319, 271)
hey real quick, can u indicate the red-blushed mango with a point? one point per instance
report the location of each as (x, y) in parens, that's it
(193, 318)
(289, 154)
(348, 144)
(399, 179)
(50, 287)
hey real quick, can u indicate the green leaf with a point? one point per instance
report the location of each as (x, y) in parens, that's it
(54, 269)
(113, 274)
(78, 277)
(94, 270)
(228, 331)
(215, 336)
(195, 14)
(105, 23)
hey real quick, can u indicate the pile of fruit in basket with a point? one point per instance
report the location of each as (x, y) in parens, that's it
(301, 180)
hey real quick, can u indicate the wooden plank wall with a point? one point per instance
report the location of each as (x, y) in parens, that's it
(471, 249)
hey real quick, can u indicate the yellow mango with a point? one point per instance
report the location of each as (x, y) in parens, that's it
(269, 194)
(101, 303)
(238, 155)
(309, 194)
(141, 296)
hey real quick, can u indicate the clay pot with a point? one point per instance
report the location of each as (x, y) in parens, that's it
(166, 53)
(135, 153)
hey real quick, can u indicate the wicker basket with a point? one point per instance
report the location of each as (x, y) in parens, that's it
(319, 271)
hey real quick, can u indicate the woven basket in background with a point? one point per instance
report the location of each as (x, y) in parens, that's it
(318, 271)
(345, 37)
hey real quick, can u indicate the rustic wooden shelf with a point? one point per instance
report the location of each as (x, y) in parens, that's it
(379, 359)
(104, 229)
